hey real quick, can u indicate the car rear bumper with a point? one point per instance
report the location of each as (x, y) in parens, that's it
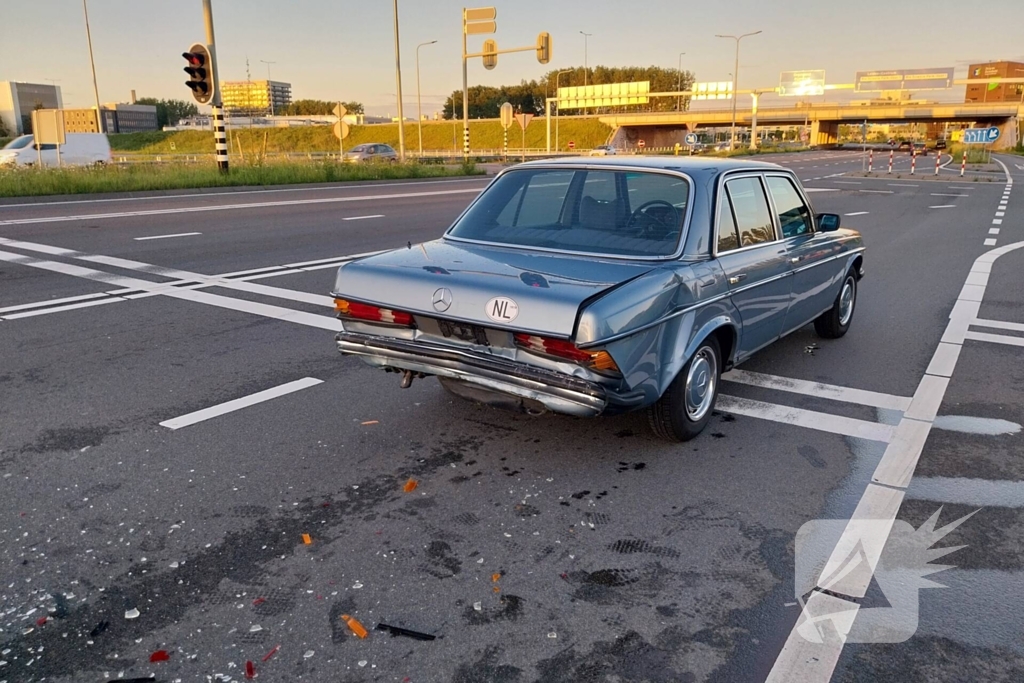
(555, 391)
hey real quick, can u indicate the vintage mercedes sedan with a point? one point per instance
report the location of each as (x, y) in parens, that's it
(595, 286)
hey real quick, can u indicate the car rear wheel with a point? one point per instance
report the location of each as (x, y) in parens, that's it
(835, 322)
(686, 406)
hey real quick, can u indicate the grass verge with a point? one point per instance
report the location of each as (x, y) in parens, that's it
(28, 182)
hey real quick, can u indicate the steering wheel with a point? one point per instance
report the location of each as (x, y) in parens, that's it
(667, 222)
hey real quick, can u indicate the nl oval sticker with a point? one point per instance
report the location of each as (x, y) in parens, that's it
(501, 309)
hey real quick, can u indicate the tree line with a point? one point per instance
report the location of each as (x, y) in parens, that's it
(318, 108)
(528, 96)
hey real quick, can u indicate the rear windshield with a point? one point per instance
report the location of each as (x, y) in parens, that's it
(19, 143)
(606, 212)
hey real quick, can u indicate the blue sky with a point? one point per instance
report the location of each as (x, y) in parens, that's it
(338, 49)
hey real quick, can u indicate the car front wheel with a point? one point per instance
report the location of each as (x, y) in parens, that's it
(686, 406)
(835, 322)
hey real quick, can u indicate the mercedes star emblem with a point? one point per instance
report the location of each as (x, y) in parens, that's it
(442, 299)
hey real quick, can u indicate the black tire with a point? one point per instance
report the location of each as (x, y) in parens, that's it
(835, 322)
(671, 418)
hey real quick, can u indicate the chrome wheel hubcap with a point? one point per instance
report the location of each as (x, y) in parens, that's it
(846, 298)
(700, 383)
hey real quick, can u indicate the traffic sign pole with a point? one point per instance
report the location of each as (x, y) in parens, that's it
(963, 164)
(890, 161)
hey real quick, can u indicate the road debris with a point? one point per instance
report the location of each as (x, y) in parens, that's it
(266, 657)
(159, 656)
(132, 613)
(255, 628)
(308, 654)
(100, 628)
(552, 635)
(258, 601)
(250, 670)
(399, 631)
(307, 539)
(354, 624)
(370, 422)
(410, 486)
(811, 348)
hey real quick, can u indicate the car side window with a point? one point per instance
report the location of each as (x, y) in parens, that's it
(750, 208)
(794, 216)
(728, 238)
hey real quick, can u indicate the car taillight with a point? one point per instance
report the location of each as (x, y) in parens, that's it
(560, 348)
(354, 309)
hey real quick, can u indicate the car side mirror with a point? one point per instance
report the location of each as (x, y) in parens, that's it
(827, 222)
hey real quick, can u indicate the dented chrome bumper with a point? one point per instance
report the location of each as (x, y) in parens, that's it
(555, 391)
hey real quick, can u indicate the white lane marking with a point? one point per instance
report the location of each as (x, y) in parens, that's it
(847, 182)
(818, 389)
(998, 324)
(127, 264)
(1000, 214)
(60, 309)
(802, 660)
(363, 218)
(54, 302)
(232, 207)
(815, 663)
(990, 242)
(959, 187)
(943, 206)
(944, 361)
(995, 338)
(877, 191)
(809, 419)
(901, 185)
(822, 189)
(244, 193)
(942, 194)
(265, 310)
(997, 221)
(164, 237)
(993, 231)
(239, 403)
(857, 213)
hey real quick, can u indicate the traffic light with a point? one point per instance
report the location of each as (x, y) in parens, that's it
(490, 54)
(544, 48)
(200, 72)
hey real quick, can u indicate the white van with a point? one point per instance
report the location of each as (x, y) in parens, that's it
(80, 149)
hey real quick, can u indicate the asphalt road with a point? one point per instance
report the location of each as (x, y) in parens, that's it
(535, 549)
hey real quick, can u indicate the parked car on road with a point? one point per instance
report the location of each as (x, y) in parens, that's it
(940, 144)
(80, 149)
(371, 152)
(920, 149)
(603, 151)
(606, 285)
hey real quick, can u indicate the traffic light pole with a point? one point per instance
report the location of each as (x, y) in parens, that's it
(220, 137)
(465, 92)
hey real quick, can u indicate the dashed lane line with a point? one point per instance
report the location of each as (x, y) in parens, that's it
(164, 237)
(240, 403)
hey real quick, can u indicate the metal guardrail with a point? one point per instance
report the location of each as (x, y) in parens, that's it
(454, 157)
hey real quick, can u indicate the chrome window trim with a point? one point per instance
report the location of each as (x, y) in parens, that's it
(722, 180)
(683, 231)
(714, 299)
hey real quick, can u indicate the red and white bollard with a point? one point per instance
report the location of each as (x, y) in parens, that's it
(890, 161)
(871, 159)
(963, 164)
(938, 158)
(913, 161)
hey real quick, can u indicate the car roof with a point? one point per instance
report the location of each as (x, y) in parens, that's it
(687, 164)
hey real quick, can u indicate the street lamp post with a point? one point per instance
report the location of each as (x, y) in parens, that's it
(558, 109)
(679, 86)
(92, 63)
(270, 86)
(419, 107)
(735, 84)
(398, 81)
(586, 63)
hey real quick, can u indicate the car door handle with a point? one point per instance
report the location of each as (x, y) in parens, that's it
(736, 279)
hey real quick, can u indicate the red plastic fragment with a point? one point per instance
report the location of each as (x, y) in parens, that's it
(250, 670)
(41, 621)
(270, 654)
(258, 601)
(159, 656)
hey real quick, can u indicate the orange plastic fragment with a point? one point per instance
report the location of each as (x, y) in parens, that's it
(495, 577)
(354, 624)
(497, 589)
(410, 486)
(307, 539)
(370, 422)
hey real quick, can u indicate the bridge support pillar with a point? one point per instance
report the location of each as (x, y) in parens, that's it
(1009, 133)
(824, 133)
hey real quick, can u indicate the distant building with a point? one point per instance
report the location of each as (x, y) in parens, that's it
(131, 118)
(18, 100)
(80, 121)
(255, 98)
(995, 92)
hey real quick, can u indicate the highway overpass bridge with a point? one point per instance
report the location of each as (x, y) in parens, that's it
(665, 129)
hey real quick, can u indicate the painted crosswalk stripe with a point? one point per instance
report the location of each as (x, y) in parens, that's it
(809, 419)
(164, 237)
(239, 403)
(818, 389)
